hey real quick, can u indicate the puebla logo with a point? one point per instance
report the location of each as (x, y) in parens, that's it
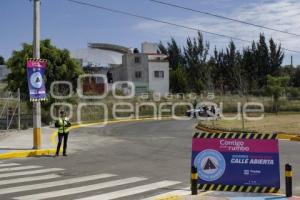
(210, 165)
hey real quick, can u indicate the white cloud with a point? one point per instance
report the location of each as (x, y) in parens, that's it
(279, 14)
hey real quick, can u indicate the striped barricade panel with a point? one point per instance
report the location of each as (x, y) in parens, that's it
(232, 135)
(237, 188)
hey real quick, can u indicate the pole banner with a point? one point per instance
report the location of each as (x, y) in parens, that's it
(36, 79)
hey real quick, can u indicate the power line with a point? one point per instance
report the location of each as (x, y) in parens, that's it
(223, 17)
(164, 22)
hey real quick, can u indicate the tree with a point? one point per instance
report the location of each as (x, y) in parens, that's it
(218, 70)
(2, 61)
(295, 77)
(250, 67)
(233, 68)
(60, 67)
(178, 80)
(276, 57)
(196, 53)
(227, 69)
(275, 87)
(262, 60)
(173, 51)
(178, 76)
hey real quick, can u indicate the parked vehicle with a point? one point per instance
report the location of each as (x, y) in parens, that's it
(203, 111)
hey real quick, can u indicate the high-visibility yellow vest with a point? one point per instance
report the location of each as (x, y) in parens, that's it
(63, 125)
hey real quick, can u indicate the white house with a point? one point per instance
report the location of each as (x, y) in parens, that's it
(148, 70)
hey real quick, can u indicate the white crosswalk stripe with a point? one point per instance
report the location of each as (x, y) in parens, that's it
(81, 189)
(19, 168)
(9, 164)
(131, 191)
(29, 179)
(54, 183)
(183, 191)
(40, 171)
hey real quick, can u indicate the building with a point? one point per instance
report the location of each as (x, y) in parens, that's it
(4, 71)
(148, 70)
(100, 55)
(96, 59)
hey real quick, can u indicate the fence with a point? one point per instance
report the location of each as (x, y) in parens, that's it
(11, 115)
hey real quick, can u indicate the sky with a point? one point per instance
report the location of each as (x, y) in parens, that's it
(72, 26)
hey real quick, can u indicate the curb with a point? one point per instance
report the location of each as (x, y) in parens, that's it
(297, 139)
(27, 153)
(201, 196)
(54, 134)
(47, 152)
(169, 197)
(287, 136)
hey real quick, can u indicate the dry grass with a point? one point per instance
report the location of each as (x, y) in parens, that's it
(283, 122)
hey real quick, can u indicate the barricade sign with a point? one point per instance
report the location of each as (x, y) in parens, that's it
(243, 162)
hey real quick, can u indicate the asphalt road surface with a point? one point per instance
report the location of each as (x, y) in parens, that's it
(132, 160)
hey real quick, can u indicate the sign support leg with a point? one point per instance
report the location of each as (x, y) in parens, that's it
(194, 180)
(288, 180)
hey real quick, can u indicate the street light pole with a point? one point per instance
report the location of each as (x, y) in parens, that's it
(36, 55)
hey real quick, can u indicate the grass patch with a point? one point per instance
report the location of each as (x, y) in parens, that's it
(283, 122)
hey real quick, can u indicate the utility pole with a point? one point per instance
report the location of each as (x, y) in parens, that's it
(19, 109)
(291, 61)
(36, 55)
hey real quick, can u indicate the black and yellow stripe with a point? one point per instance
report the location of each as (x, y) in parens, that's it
(37, 59)
(238, 188)
(194, 180)
(36, 100)
(288, 180)
(232, 135)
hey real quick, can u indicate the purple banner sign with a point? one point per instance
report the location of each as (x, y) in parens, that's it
(36, 80)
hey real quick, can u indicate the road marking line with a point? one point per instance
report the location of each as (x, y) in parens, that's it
(19, 168)
(81, 189)
(183, 191)
(131, 191)
(30, 172)
(54, 183)
(28, 179)
(9, 164)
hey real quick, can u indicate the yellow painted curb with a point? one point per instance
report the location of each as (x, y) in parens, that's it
(169, 197)
(54, 134)
(181, 197)
(286, 136)
(297, 138)
(43, 152)
(27, 153)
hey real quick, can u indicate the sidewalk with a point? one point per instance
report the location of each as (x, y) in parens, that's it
(216, 195)
(18, 144)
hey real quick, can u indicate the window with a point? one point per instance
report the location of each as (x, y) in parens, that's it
(99, 80)
(138, 74)
(137, 59)
(159, 74)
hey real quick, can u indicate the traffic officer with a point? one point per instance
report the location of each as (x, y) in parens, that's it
(63, 124)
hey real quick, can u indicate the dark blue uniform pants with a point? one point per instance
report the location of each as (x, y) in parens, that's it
(62, 136)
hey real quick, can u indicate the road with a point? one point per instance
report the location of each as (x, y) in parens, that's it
(131, 160)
